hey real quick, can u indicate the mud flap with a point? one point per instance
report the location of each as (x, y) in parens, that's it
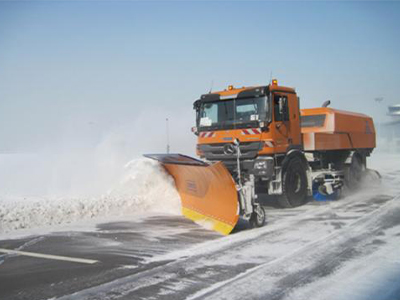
(208, 192)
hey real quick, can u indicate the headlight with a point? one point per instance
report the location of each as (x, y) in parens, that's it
(261, 164)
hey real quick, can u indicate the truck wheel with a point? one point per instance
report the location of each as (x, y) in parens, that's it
(257, 218)
(355, 173)
(294, 185)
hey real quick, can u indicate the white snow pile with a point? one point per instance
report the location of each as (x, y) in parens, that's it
(145, 187)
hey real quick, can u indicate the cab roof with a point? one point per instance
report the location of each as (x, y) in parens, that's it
(243, 92)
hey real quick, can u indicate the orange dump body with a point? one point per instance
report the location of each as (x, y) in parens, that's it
(326, 128)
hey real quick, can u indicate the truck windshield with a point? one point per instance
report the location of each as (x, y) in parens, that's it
(241, 113)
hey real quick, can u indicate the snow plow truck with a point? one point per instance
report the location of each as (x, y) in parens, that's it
(256, 141)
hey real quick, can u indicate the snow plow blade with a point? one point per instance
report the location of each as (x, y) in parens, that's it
(208, 192)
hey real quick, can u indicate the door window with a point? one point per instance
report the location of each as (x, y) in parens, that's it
(281, 108)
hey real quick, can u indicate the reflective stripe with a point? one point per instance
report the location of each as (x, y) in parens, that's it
(251, 131)
(207, 221)
(207, 134)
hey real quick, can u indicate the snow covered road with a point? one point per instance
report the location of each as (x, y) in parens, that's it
(348, 249)
(171, 258)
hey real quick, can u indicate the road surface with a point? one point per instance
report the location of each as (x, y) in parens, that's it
(347, 249)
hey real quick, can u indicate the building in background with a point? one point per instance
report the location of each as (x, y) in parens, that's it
(391, 129)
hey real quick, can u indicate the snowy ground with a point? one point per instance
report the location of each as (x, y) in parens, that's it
(324, 250)
(137, 192)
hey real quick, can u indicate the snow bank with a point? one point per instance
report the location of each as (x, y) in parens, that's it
(145, 187)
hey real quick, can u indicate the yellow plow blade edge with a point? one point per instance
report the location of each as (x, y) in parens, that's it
(208, 193)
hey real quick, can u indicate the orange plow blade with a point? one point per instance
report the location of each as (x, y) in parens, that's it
(208, 193)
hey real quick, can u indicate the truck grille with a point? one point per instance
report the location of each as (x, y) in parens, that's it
(218, 151)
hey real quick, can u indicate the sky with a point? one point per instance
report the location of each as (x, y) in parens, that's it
(102, 76)
(87, 66)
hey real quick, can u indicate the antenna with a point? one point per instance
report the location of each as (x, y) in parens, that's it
(211, 87)
(166, 120)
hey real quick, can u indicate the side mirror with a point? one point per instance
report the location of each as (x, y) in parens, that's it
(194, 130)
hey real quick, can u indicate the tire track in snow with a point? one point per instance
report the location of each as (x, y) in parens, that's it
(309, 263)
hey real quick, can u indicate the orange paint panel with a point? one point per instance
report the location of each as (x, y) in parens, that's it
(341, 130)
(365, 141)
(332, 141)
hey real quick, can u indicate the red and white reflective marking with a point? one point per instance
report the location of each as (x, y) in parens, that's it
(251, 131)
(269, 144)
(207, 134)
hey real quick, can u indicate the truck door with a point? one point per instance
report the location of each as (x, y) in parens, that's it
(286, 129)
(281, 128)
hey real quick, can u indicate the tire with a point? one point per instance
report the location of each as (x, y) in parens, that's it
(257, 218)
(355, 173)
(294, 185)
